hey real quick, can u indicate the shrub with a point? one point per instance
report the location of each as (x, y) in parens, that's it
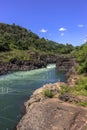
(85, 86)
(48, 93)
(65, 89)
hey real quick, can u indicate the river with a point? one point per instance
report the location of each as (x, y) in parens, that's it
(16, 87)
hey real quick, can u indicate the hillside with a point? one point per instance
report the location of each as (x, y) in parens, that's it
(81, 57)
(16, 37)
(18, 43)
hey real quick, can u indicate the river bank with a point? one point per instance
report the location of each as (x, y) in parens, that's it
(45, 113)
(36, 61)
(17, 87)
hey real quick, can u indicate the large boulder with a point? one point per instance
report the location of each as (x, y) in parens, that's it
(53, 114)
(43, 113)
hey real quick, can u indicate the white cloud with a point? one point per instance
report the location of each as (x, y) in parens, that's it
(80, 25)
(62, 29)
(43, 30)
(62, 34)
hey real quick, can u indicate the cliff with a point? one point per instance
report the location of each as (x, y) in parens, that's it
(36, 61)
(68, 65)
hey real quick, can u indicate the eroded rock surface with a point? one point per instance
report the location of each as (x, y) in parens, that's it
(53, 114)
(68, 65)
(43, 113)
(36, 61)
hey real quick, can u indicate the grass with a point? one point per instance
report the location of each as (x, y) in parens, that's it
(81, 86)
(18, 54)
(79, 89)
(65, 89)
(48, 93)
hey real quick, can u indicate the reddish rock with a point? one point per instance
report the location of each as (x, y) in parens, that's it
(53, 114)
(43, 113)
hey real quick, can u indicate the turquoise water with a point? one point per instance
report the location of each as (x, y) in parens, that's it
(16, 87)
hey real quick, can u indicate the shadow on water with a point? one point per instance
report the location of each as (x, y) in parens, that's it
(16, 87)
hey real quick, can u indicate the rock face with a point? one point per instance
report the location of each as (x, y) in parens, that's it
(44, 113)
(68, 65)
(37, 61)
(65, 64)
(18, 65)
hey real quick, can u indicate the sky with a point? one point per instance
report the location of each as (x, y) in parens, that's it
(63, 21)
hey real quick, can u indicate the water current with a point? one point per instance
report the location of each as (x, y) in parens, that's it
(16, 87)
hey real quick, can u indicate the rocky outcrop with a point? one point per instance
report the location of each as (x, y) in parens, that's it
(67, 97)
(65, 63)
(43, 113)
(36, 61)
(18, 65)
(39, 61)
(48, 58)
(68, 65)
(3, 68)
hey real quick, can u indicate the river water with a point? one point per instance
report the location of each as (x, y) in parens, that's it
(16, 87)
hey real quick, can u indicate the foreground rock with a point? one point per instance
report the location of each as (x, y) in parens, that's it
(52, 114)
(44, 113)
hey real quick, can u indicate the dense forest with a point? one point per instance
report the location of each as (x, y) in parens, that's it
(16, 37)
(81, 56)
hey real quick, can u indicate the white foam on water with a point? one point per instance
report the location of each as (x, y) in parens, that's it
(24, 74)
(49, 66)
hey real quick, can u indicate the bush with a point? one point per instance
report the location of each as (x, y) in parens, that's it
(81, 86)
(48, 93)
(81, 57)
(65, 89)
(85, 86)
(15, 54)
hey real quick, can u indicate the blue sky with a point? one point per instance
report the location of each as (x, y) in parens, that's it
(63, 21)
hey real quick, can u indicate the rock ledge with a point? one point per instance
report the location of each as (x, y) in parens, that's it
(44, 113)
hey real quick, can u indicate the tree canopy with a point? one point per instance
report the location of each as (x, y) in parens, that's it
(81, 55)
(16, 37)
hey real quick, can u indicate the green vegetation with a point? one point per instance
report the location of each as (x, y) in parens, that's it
(81, 56)
(65, 89)
(79, 89)
(16, 40)
(17, 54)
(81, 86)
(48, 93)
